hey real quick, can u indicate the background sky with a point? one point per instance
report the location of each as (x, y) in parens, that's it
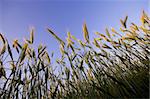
(18, 16)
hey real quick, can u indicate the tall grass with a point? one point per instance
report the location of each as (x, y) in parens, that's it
(115, 65)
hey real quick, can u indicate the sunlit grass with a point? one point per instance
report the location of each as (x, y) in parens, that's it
(103, 68)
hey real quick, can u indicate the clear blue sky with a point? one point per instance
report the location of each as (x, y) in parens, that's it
(17, 16)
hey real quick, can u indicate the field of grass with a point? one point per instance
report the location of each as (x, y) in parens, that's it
(115, 65)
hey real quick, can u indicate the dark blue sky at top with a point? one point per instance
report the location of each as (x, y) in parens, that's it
(18, 16)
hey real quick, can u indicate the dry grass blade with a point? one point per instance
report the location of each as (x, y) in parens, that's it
(106, 46)
(48, 58)
(62, 49)
(23, 53)
(2, 38)
(32, 36)
(69, 41)
(107, 33)
(2, 51)
(96, 43)
(53, 34)
(41, 50)
(124, 22)
(85, 33)
(9, 51)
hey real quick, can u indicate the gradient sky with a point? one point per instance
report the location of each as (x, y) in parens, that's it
(18, 16)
